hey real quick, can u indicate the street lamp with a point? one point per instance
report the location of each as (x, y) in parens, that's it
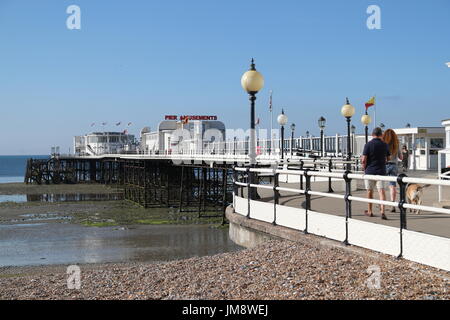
(348, 111)
(252, 81)
(353, 138)
(322, 121)
(366, 120)
(282, 120)
(292, 138)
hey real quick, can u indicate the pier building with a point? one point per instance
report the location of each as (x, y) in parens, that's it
(183, 137)
(97, 143)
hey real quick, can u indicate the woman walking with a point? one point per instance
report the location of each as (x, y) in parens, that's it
(405, 154)
(391, 139)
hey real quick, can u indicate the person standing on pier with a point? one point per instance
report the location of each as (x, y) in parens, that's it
(405, 163)
(374, 160)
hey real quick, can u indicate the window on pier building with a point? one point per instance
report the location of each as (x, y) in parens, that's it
(114, 139)
(420, 143)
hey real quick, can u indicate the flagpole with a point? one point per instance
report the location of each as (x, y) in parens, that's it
(271, 122)
(375, 113)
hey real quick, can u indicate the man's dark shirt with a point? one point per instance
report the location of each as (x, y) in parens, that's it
(376, 151)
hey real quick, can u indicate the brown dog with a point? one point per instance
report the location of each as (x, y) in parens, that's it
(414, 195)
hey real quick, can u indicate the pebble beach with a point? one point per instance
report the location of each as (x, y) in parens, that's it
(280, 270)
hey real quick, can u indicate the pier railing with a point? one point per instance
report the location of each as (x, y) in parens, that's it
(398, 241)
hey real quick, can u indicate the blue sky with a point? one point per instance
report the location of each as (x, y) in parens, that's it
(135, 61)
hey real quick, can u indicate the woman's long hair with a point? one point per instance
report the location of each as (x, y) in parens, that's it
(390, 137)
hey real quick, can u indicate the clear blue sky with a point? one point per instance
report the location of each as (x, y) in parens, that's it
(138, 60)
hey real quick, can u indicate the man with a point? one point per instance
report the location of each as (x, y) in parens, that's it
(374, 159)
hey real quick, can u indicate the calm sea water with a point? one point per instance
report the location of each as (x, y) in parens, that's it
(12, 168)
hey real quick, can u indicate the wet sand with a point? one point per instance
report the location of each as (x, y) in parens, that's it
(50, 231)
(48, 243)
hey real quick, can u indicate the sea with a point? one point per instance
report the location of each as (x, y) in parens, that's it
(12, 168)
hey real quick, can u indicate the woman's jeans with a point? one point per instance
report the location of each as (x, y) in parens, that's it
(392, 170)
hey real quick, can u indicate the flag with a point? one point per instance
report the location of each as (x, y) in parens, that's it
(185, 120)
(270, 101)
(370, 103)
(104, 123)
(92, 124)
(257, 122)
(129, 123)
(118, 123)
(125, 131)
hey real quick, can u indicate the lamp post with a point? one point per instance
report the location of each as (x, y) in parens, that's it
(252, 81)
(304, 146)
(353, 138)
(322, 121)
(348, 111)
(282, 120)
(292, 138)
(366, 120)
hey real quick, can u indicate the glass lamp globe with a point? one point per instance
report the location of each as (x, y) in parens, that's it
(282, 119)
(348, 110)
(293, 126)
(252, 81)
(366, 119)
(322, 123)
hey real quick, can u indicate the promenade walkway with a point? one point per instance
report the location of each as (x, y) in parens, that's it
(428, 222)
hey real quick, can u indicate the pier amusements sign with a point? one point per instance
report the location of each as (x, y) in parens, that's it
(189, 118)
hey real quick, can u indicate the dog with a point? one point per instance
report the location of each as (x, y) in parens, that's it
(414, 195)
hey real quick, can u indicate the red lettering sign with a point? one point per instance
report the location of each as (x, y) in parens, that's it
(204, 118)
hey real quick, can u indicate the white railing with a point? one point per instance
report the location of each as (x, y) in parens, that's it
(416, 246)
(443, 176)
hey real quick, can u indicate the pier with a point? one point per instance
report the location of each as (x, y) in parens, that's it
(309, 184)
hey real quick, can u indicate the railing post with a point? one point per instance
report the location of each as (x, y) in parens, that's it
(301, 176)
(348, 203)
(308, 199)
(235, 186)
(276, 196)
(403, 225)
(330, 164)
(248, 192)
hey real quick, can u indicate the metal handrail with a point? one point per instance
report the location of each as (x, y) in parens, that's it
(351, 176)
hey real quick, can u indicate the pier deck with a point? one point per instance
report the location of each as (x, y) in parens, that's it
(428, 222)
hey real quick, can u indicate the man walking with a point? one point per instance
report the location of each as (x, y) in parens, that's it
(374, 160)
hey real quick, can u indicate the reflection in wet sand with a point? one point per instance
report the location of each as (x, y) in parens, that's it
(49, 243)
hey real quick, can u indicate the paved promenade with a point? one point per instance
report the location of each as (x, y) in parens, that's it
(428, 222)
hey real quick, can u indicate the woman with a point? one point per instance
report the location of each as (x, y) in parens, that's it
(391, 139)
(405, 155)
